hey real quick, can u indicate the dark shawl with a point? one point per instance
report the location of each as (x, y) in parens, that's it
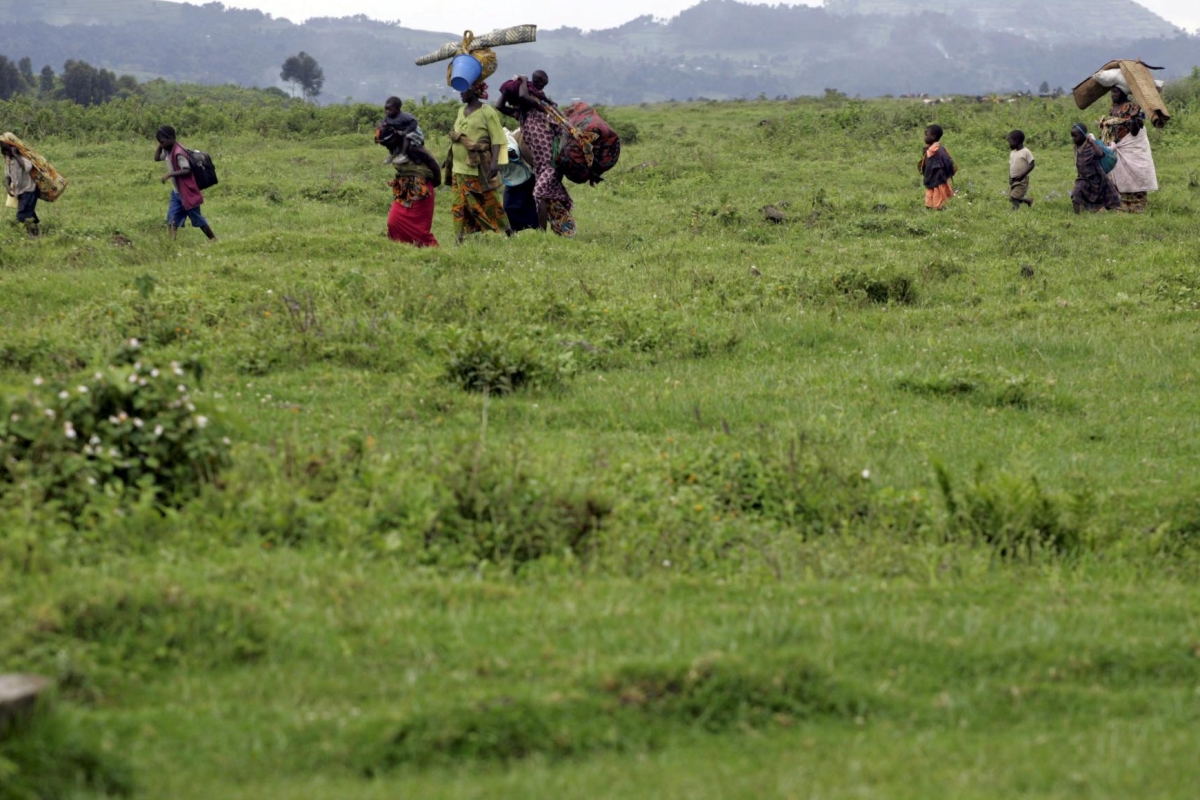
(938, 168)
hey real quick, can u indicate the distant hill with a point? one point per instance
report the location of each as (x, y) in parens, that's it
(1052, 20)
(87, 12)
(716, 49)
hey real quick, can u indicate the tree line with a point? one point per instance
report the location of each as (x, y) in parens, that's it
(82, 83)
(78, 82)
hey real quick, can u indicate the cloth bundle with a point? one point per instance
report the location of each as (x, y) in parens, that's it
(50, 185)
(1109, 78)
(1134, 171)
(588, 146)
(517, 170)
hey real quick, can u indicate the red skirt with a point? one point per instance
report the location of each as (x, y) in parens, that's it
(413, 224)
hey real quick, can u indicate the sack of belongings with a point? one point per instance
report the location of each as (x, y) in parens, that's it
(50, 185)
(589, 148)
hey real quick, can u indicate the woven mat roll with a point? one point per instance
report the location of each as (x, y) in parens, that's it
(1141, 86)
(518, 34)
(1089, 92)
(1145, 92)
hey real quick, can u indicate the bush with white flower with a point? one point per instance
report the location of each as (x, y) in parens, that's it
(134, 426)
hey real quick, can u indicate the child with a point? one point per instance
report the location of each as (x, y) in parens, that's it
(19, 182)
(397, 131)
(1020, 164)
(522, 94)
(186, 197)
(937, 168)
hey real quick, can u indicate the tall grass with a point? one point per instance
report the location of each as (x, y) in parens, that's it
(702, 489)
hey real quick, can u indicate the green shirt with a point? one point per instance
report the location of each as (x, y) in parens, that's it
(483, 123)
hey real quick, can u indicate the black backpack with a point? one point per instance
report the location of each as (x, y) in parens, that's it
(202, 169)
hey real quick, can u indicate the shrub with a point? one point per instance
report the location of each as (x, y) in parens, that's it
(1012, 513)
(494, 509)
(627, 129)
(30, 354)
(799, 487)
(1185, 92)
(1182, 528)
(110, 635)
(482, 361)
(881, 289)
(48, 756)
(435, 117)
(122, 427)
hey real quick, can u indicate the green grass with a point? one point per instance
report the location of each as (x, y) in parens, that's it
(852, 505)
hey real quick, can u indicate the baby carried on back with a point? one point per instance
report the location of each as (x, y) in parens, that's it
(398, 131)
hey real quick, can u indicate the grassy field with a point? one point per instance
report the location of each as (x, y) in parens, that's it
(874, 502)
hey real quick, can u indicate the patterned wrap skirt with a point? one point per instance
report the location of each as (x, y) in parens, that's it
(539, 133)
(411, 217)
(1134, 202)
(559, 218)
(476, 208)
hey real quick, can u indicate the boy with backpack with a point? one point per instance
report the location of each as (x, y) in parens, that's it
(186, 198)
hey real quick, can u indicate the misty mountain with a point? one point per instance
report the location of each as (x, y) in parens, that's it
(1046, 20)
(717, 49)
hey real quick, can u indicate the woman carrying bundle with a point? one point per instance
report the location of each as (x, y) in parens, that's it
(18, 181)
(417, 176)
(525, 100)
(28, 178)
(478, 149)
(1124, 130)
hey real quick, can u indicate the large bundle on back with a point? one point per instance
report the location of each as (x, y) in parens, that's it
(1134, 78)
(589, 148)
(50, 185)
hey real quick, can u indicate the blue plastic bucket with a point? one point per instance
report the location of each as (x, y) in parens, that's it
(464, 71)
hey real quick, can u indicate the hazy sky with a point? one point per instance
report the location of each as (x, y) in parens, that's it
(440, 15)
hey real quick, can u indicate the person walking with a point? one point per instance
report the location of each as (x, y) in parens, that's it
(477, 151)
(418, 175)
(1093, 190)
(524, 99)
(186, 198)
(18, 180)
(1124, 130)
